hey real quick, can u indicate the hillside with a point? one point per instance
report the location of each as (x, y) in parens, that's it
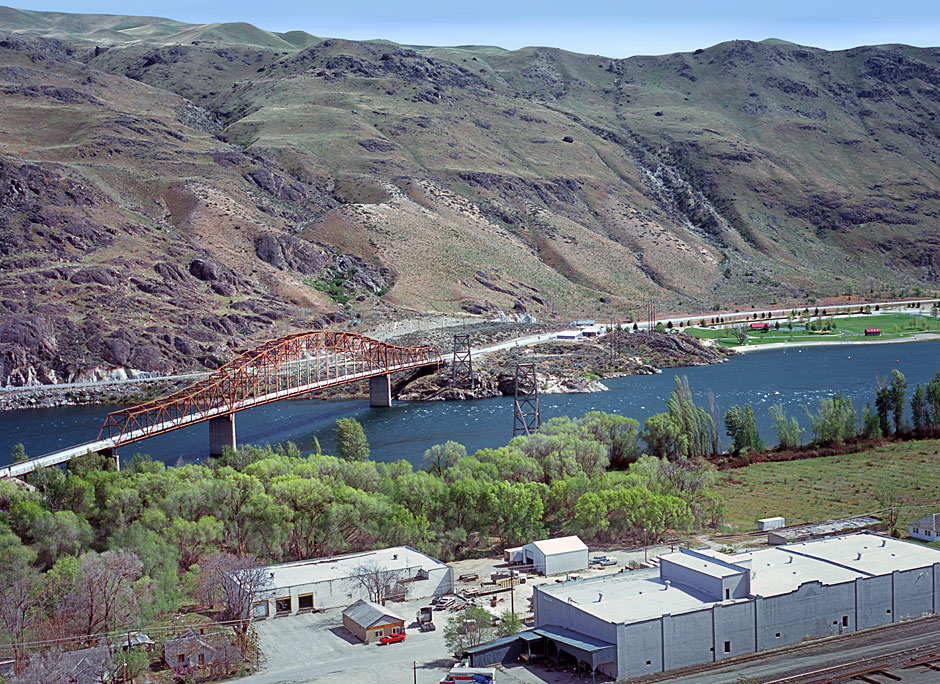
(191, 188)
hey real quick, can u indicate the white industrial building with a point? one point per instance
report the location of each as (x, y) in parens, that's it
(551, 556)
(322, 583)
(704, 606)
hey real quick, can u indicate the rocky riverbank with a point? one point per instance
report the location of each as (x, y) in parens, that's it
(568, 367)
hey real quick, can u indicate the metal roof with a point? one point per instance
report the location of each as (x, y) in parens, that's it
(559, 545)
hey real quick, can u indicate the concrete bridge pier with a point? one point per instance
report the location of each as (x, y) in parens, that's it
(113, 455)
(221, 434)
(380, 390)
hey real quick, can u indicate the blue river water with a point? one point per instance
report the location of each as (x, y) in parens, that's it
(794, 377)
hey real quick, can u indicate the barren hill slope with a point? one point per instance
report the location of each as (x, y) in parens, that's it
(275, 183)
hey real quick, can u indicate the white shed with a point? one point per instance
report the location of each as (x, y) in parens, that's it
(555, 556)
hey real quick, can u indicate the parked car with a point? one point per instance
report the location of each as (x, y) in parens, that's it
(609, 561)
(599, 560)
(392, 638)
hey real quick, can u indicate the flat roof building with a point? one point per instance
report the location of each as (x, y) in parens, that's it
(400, 572)
(704, 606)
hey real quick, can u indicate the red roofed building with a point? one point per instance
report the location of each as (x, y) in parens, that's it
(872, 332)
(762, 326)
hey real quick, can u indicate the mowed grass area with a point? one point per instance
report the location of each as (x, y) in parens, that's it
(818, 489)
(848, 329)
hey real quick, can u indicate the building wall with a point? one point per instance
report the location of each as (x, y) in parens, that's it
(559, 563)
(755, 624)
(372, 634)
(345, 590)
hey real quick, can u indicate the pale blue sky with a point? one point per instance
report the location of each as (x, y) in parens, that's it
(606, 27)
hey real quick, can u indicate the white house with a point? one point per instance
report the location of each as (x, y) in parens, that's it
(926, 528)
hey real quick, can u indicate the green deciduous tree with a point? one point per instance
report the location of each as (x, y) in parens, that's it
(742, 428)
(440, 457)
(871, 424)
(898, 389)
(920, 417)
(835, 421)
(788, 429)
(516, 509)
(933, 398)
(470, 627)
(351, 442)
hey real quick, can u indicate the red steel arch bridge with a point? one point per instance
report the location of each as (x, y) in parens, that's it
(283, 368)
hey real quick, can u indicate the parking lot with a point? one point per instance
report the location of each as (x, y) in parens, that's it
(315, 647)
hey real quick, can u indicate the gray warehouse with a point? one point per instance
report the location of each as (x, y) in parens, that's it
(551, 556)
(323, 583)
(704, 606)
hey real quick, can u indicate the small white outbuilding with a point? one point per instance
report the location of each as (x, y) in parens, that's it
(555, 556)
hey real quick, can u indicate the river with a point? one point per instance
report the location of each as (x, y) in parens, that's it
(795, 377)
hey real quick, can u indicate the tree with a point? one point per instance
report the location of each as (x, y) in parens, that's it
(106, 594)
(788, 429)
(871, 425)
(19, 453)
(351, 442)
(238, 580)
(898, 389)
(883, 407)
(509, 624)
(516, 510)
(19, 593)
(742, 428)
(919, 416)
(740, 334)
(933, 398)
(379, 582)
(471, 627)
(441, 457)
(835, 421)
(890, 501)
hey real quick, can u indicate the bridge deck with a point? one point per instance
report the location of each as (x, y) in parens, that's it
(426, 357)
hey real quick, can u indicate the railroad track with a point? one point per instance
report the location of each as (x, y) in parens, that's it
(865, 669)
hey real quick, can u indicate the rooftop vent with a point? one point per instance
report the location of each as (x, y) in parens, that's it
(884, 542)
(789, 559)
(858, 556)
(667, 583)
(600, 597)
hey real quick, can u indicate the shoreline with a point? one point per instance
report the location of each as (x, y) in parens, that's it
(919, 337)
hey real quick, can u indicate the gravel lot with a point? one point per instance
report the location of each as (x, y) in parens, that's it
(316, 648)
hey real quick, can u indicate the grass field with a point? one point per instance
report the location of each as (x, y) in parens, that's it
(848, 329)
(818, 489)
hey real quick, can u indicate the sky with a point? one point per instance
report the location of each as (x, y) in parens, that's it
(605, 27)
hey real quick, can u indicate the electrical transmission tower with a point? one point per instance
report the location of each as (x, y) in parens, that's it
(526, 416)
(463, 363)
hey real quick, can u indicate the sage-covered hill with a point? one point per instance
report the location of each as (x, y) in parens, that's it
(169, 191)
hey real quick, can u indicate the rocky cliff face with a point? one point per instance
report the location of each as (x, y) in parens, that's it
(184, 200)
